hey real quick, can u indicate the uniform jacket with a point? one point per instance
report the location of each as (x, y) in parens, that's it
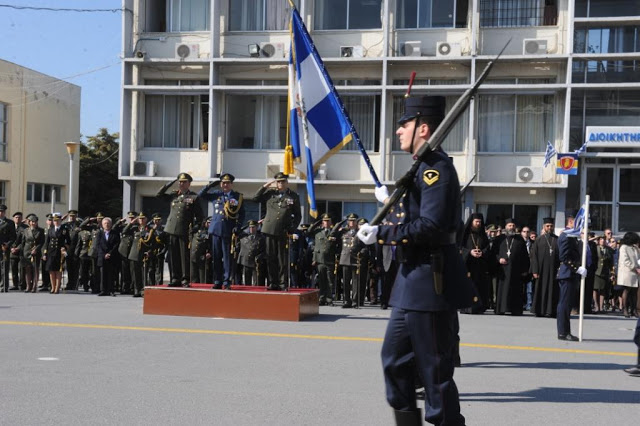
(32, 238)
(185, 211)
(251, 247)
(569, 256)
(104, 246)
(432, 206)
(351, 247)
(16, 243)
(283, 211)
(7, 232)
(84, 243)
(141, 242)
(126, 238)
(73, 227)
(200, 245)
(324, 249)
(223, 219)
(55, 241)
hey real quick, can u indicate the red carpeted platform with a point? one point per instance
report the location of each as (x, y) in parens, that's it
(244, 302)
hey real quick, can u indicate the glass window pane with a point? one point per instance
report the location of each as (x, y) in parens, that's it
(608, 8)
(366, 210)
(330, 15)
(534, 122)
(246, 15)
(29, 191)
(406, 13)
(496, 121)
(630, 185)
(153, 120)
(3, 112)
(37, 192)
(241, 113)
(628, 218)
(278, 14)
(442, 16)
(599, 216)
(600, 184)
(252, 210)
(424, 14)
(364, 14)
(362, 112)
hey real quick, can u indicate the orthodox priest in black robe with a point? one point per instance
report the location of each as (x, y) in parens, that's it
(544, 267)
(513, 258)
(475, 253)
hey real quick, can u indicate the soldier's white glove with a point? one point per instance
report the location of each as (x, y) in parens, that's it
(382, 193)
(582, 271)
(367, 233)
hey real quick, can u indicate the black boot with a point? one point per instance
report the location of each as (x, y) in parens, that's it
(408, 418)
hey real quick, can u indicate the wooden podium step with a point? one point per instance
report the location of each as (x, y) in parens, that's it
(243, 302)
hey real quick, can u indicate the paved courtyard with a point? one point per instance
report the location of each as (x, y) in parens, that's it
(78, 359)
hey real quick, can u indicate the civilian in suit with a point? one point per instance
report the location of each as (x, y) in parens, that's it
(57, 242)
(107, 242)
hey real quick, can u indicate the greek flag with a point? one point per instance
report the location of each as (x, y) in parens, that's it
(317, 120)
(578, 224)
(549, 153)
(582, 149)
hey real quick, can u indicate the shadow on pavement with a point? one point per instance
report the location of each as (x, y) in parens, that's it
(548, 366)
(568, 395)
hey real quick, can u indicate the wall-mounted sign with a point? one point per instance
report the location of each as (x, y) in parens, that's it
(612, 136)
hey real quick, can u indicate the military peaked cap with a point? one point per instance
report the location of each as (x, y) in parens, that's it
(185, 177)
(362, 220)
(304, 226)
(132, 214)
(252, 223)
(17, 214)
(281, 176)
(142, 215)
(32, 217)
(352, 216)
(55, 216)
(326, 216)
(424, 106)
(156, 216)
(227, 177)
(3, 207)
(73, 212)
(99, 215)
(48, 216)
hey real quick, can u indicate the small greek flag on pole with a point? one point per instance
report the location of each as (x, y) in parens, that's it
(549, 153)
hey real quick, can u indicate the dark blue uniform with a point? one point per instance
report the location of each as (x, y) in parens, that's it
(422, 329)
(569, 254)
(228, 214)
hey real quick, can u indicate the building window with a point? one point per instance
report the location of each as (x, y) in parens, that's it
(179, 121)
(431, 13)
(189, 15)
(256, 122)
(515, 123)
(606, 8)
(41, 192)
(518, 13)
(259, 15)
(3, 192)
(347, 14)
(364, 114)
(3, 131)
(525, 215)
(622, 39)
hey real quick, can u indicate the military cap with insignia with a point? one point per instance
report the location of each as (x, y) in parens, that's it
(17, 214)
(99, 215)
(491, 228)
(423, 106)
(304, 226)
(362, 220)
(352, 216)
(252, 223)
(142, 215)
(157, 216)
(56, 216)
(227, 177)
(326, 216)
(72, 212)
(3, 207)
(132, 214)
(48, 216)
(281, 176)
(185, 177)
(32, 217)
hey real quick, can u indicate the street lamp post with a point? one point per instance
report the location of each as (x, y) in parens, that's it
(71, 149)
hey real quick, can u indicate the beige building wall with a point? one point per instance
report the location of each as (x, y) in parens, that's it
(42, 113)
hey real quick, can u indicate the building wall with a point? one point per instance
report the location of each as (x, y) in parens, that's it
(43, 114)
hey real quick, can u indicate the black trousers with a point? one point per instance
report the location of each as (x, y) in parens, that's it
(349, 281)
(85, 272)
(17, 276)
(108, 273)
(137, 274)
(179, 259)
(125, 276)
(5, 266)
(325, 281)
(424, 341)
(46, 279)
(72, 272)
(277, 260)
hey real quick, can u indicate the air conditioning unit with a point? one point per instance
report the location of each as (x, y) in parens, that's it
(411, 48)
(534, 46)
(144, 168)
(272, 50)
(351, 51)
(272, 170)
(526, 174)
(444, 48)
(187, 51)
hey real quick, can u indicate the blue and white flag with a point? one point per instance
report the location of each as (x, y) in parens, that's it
(317, 120)
(549, 153)
(578, 224)
(582, 149)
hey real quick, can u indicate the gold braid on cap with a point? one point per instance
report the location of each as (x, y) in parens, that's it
(230, 211)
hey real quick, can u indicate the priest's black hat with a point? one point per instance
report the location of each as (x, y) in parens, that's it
(423, 106)
(510, 220)
(548, 220)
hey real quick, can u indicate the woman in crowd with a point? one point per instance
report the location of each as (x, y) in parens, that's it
(628, 271)
(603, 273)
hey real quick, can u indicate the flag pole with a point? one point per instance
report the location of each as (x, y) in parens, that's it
(585, 242)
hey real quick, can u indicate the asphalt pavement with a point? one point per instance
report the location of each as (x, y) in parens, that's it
(79, 359)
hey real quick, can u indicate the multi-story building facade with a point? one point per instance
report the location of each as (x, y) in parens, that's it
(205, 82)
(38, 114)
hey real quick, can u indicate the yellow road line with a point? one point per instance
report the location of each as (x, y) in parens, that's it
(299, 336)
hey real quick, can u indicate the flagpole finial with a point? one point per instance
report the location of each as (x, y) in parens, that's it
(413, 76)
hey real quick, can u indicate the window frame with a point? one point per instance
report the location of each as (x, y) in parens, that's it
(4, 126)
(347, 4)
(265, 5)
(44, 189)
(170, 15)
(417, 14)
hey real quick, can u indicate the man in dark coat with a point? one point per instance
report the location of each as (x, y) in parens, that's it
(514, 269)
(544, 267)
(475, 253)
(126, 240)
(324, 257)
(185, 212)
(7, 237)
(250, 252)
(107, 242)
(17, 275)
(282, 218)
(431, 283)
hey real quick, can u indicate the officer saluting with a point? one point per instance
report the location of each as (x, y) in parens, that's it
(431, 282)
(185, 212)
(228, 216)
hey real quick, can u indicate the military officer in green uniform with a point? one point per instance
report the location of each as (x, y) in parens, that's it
(85, 262)
(7, 237)
(282, 217)
(348, 259)
(252, 247)
(160, 244)
(126, 240)
(201, 253)
(185, 212)
(324, 257)
(141, 245)
(95, 224)
(31, 247)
